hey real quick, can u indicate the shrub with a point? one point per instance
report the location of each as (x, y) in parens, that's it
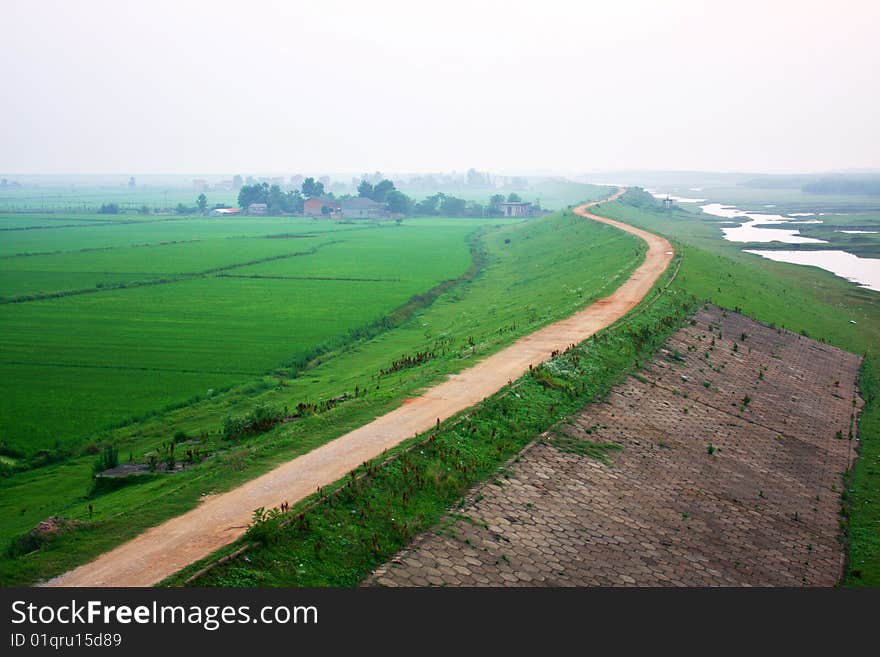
(109, 458)
(265, 526)
(262, 418)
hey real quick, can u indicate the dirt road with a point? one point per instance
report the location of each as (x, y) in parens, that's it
(219, 520)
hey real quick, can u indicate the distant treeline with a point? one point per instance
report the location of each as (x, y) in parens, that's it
(396, 202)
(844, 186)
(862, 185)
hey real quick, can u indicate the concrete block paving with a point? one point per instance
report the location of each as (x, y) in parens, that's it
(734, 439)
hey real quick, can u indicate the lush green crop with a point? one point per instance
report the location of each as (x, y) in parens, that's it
(77, 364)
(137, 231)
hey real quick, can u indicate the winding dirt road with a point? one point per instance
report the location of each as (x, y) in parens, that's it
(163, 550)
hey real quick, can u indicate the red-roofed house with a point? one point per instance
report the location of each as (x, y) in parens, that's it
(314, 207)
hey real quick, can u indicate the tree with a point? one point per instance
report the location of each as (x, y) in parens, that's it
(474, 209)
(310, 188)
(397, 202)
(513, 197)
(428, 206)
(294, 202)
(253, 194)
(276, 200)
(451, 206)
(202, 203)
(365, 189)
(381, 189)
(495, 204)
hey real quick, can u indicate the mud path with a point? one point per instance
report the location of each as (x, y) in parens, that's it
(165, 549)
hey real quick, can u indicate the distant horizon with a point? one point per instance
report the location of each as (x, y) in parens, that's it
(536, 173)
(99, 88)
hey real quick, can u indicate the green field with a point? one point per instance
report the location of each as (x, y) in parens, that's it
(93, 235)
(89, 196)
(78, 364)
(530, 273)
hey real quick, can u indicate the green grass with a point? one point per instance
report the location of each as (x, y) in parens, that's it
(88, 198)
(514, 293)
(862, 497)
(91, 270)
(78, 364)
(136, 231)
(598, 451)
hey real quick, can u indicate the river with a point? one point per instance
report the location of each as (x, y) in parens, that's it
(757, 227)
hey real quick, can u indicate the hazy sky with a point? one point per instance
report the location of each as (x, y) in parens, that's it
(324, 86)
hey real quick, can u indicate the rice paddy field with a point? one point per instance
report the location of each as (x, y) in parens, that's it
(210, 318)
(135, 318)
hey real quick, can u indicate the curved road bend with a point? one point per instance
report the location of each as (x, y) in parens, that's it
(167, 548)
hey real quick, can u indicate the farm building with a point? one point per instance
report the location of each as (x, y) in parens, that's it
(363, 208)
(314, 207)
(225, 212)
(516, 209)
(258, 208)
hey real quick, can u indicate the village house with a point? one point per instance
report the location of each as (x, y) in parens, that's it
(258, 208)
(315, 207)
(363, 208)
(516, 209)
(225, 212)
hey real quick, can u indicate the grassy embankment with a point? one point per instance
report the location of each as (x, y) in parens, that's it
(535, 272)
(802, 299)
